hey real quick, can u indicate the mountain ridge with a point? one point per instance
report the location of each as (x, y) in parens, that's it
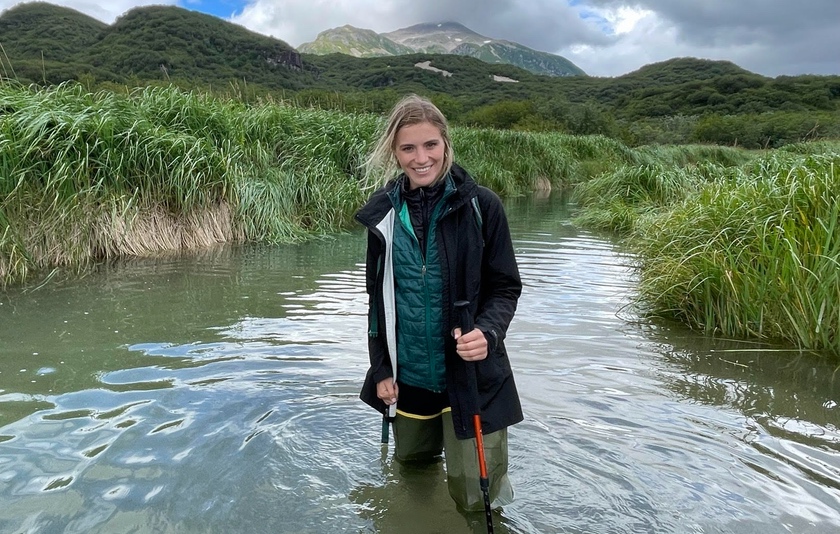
(447, 37)
(51, 44)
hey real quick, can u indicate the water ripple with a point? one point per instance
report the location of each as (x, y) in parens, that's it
(219, 393)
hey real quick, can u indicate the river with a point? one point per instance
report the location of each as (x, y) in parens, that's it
(217, 391)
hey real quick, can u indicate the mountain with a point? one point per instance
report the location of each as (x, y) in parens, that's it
(156, 45)
(354, 42)
(439, 38)
(41, 42)
(165, 41)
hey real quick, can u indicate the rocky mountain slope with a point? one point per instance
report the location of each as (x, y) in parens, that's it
(438, 38)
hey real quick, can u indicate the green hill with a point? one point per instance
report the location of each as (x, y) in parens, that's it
(59, 33)
(164, 42)
(44, 42)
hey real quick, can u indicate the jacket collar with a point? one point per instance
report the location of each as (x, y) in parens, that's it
(381, 201)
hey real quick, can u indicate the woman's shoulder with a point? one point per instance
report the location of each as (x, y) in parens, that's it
(488, 200)
(377, 204)
(485, 194)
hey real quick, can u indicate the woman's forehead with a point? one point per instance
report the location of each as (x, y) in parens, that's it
(421, 131)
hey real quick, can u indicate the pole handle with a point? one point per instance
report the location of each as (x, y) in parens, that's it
(465, 319)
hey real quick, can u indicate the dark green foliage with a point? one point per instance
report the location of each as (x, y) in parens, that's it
(766, 130)
(59, 33)
(162, 42)
(502, 115)
(157, 43)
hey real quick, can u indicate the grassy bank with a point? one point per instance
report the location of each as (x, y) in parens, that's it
(746, 249)
(85, 177)
(732, 242)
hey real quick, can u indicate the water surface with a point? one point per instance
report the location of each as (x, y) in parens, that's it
(218, 392)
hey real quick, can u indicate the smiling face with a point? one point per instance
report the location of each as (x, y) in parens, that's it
(420, 150)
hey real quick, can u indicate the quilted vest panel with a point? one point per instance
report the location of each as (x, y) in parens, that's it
(419, 300)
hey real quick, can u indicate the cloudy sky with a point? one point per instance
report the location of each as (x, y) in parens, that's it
(603, 37)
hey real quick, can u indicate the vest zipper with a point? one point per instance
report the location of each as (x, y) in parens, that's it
(424, 254)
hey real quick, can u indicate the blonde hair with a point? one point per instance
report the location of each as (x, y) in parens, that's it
(382, 165)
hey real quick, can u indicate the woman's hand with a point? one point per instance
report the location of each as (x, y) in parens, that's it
(471, 346)
(387, 391)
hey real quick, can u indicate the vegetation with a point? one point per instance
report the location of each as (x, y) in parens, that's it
(680, 101)
(91, 176)
(746, 249)
(736, 242)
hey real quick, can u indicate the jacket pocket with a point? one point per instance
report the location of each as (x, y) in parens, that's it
(492, 370)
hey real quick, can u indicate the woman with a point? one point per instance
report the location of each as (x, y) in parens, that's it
(436, 237)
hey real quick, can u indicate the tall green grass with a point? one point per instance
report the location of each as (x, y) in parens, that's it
(739, 243)
(92, 176)
(730, 241)
(514, 162)
(77, 171)
(650, 179)
(87, 177)
(753, 251)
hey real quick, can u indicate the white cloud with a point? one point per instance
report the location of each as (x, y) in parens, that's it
(297, 22)
(624, 19)
(639, 37)
(644, 36)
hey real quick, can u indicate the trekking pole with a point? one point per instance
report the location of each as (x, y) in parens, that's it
(462, 307)
(385, 427)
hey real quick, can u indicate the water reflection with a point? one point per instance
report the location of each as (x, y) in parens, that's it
(792, 426)
(745, 375)
(402, 495)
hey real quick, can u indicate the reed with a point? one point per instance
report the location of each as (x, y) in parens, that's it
(92, 176)
(753, 252)
(515, 162)
(650, 179)
(616, 200)
(686, 155)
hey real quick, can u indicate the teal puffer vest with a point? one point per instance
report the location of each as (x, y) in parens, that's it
(419, 301)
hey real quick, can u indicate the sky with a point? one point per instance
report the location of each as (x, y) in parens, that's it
(602, 37)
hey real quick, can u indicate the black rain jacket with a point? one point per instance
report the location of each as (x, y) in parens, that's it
(478, 265)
